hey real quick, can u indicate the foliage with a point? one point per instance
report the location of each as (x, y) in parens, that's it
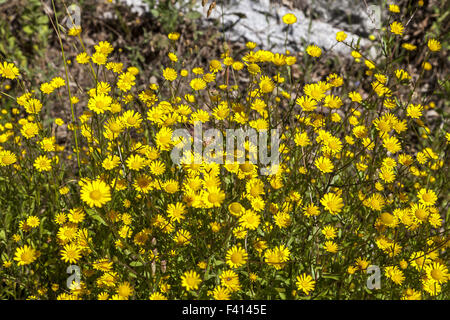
(361, 182)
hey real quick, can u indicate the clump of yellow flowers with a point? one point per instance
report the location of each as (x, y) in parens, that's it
(360, 181)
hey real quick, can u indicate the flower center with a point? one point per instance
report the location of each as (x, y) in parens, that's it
(246, 167)
(95, 195)
(426, 197)
(171, 188)
(236, 257)
(213, 198)
(164, 139)
(421, 214)
(436, 274)
(27, 256)
(236, 207)
(387, 218)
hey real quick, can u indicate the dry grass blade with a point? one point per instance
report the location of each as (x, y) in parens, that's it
(211, 8)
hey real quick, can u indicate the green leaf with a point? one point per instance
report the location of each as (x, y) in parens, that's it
(209, 276)
(94, 215)
(218, 262)
(330, 276)
(28, 30)
(155, 12)
(136, 264)
(42, 20)
(192, 15)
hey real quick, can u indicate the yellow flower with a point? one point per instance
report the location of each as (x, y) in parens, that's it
(131, 119)
(411, 294)
(9, 70)
(266, 85)
(249, 220)
(395, 274)
(394, 8)
(83, 58)
(171, 186)
(324, 164)
(427, 66)
(135, 162)
(33, 106)
(314, 51)
(289, 18)
(157, 296)
(311, 210)
(95, 193)
(369, 64)
(414, 111)
(99, 58)
(356, 55)
(190, 280)
(301, 139)
(277, 257)
(42, 163)
(7, 158)
(332, 202)
(329, 232)
(409, 46)
(176, 211)
(314, 91)
(47, 88)
(33, 221)
(100, 103)
(332, 102)
(397, 28)
(305, 283)
(221, 293)
(251, 45)
(164, 138)
(198, 84)
(330, 246)
(392, 144)
(58, 82)
(230, 280)
(25, 255)
(437, 272)
(104, 47)
(215, 66)
(76, 215)
(74, 31)
(173, 36)
(71, 253)
(169, 74)
(427, 197)
(124, 290)
(341, 36)
(434, 45)
(236, 257)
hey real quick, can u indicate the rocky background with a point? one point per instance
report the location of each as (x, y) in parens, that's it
(260, 21)
(138, 30)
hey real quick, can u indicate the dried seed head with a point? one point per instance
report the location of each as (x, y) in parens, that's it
(211, 8)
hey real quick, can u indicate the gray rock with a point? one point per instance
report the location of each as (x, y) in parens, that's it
(260, 22)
